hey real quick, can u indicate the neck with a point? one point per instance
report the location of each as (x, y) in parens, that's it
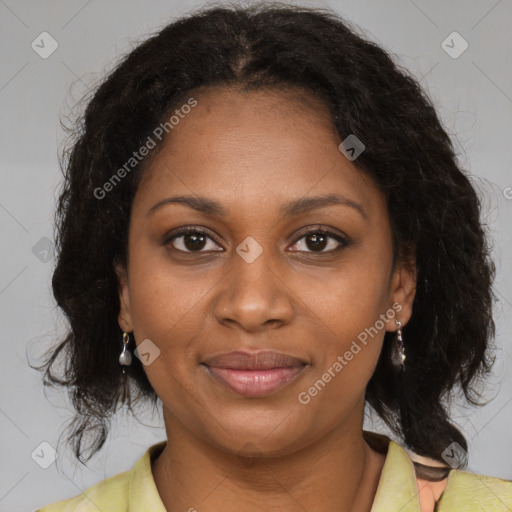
(338, 473)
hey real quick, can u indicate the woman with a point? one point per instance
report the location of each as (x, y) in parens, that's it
(266, 211)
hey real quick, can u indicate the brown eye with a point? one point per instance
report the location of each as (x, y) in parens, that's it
(192, 240)
(317, 240)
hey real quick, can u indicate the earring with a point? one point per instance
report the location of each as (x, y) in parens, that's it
(398, 354)
(125, 359)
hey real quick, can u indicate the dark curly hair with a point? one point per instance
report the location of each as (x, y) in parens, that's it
(434, 209)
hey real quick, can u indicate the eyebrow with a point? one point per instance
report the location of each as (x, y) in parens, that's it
(296, 207)
(307, 204)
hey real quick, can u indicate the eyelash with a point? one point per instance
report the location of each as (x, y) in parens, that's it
(343, 241)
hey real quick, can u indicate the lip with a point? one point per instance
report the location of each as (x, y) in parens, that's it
(259, 360)
(255, 383)
(255, 374)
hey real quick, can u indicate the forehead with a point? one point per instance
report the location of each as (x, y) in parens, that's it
(260, 146)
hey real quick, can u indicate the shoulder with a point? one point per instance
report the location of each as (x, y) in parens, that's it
(131, 490)
(460, 491)
(108, 495)
(465, 489)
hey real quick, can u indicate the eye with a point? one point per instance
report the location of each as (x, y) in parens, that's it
(192, 240)
(317, 239)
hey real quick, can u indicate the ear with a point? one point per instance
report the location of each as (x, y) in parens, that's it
(124, 318)
(402, 292)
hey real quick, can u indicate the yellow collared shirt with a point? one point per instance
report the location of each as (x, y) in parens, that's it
(135, 490)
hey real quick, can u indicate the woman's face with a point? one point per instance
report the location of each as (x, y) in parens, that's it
(252, 166)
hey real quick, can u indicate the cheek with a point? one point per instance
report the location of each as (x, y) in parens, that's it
(165, 307)
(346, 309)
(338, 383)
(165, 302)
(349, 298)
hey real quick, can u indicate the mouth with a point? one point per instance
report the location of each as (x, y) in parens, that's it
(255, 374)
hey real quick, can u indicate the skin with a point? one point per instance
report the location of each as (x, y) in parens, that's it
(253, 152)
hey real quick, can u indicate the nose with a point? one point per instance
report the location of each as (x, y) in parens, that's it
(253, 296)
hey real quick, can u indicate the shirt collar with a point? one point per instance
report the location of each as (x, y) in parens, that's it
(142, 492)
(397, 489)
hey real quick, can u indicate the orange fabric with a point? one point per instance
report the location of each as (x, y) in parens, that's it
(429, 493)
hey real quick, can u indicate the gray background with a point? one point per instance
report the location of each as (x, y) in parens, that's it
(472, 94)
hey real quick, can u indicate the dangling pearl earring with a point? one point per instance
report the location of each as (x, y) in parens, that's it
(125, 358)
(398, 354)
